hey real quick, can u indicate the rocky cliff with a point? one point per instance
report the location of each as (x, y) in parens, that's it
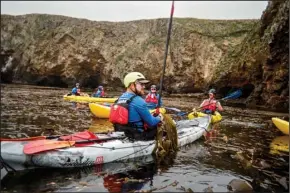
(59, 51)
(259, 65)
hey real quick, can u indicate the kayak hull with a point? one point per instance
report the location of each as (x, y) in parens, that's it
(102, 111)
(98, 153)
(282, 125)
(216, 117)
(86, 99)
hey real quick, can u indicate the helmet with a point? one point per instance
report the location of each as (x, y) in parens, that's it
(100, 87)
(132, 77)
(77, 84)
(153, 86)
(212, 91)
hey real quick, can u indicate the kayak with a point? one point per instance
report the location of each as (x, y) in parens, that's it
(216, 117)
(94, 153)
(103, 111)
(282, 125)
(280, 143)
(87, 99)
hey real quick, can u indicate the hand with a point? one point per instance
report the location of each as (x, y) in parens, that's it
(193, 110)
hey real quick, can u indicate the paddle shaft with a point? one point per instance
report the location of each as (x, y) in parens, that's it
(98, 140)
(166, 52)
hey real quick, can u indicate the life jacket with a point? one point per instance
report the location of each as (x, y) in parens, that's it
(119, 113)
(78, 91)
(210, 105)
(102, 93)
(151, 98)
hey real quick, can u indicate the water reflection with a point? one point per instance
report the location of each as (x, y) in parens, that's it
(125, 175)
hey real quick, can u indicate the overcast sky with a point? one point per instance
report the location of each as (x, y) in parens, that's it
(133, 10)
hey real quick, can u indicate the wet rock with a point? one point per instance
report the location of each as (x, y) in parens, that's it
(238, 185)
(283, 182)
(264, 164)
(208, 189)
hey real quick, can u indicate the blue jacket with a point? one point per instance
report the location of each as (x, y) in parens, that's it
(74, 90)
(138, 112)
(97, 94)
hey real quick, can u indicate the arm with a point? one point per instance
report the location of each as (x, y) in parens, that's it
(74, 90)
(202, 104)
(145, 114)
(219, 106)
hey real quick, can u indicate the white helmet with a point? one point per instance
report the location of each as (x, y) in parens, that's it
(132, 77)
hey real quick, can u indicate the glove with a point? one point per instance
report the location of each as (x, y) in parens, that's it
(156, 113)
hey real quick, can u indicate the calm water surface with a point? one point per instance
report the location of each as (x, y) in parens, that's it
(239, 149)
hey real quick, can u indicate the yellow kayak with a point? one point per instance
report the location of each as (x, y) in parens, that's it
(280, 143)
(87, 99)
(102, 111)
(216, 117)
(282, 125)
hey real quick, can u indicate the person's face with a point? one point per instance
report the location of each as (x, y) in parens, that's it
(139, 88)
(211, 95)
(153, 90)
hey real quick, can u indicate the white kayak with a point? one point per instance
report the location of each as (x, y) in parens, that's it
(98, 153)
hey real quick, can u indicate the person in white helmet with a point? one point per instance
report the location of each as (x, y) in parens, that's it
(130, 113)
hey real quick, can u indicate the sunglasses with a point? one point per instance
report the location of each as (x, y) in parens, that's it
(153, 88)
(137, 82)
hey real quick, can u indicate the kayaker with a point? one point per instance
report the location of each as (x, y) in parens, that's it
(99, 92)
(138, 123)
(76, 90)
(210, 105)
(152, 98)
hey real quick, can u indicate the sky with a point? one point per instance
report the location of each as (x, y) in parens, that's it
(135, 10)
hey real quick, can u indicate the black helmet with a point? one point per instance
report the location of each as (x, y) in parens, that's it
(212, 91)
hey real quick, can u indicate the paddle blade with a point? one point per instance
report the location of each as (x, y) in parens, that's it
(234, 95)
(45, 145)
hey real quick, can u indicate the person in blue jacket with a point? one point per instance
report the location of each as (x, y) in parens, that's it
(142, 124)
(152, 98)
(99, 92)
(76, 90)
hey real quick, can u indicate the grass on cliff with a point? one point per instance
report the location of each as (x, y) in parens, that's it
(216, 28)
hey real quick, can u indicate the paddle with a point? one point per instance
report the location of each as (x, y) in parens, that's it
(233, 95)
(24, 139)
(45, 145)
(165, 54)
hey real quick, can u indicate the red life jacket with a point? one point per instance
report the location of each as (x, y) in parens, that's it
(209, 105)
(151, 98)
(102, 93)
(119, 113)
(78, 91)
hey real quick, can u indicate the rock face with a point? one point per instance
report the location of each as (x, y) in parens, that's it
(59, 51)
(260, 63)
